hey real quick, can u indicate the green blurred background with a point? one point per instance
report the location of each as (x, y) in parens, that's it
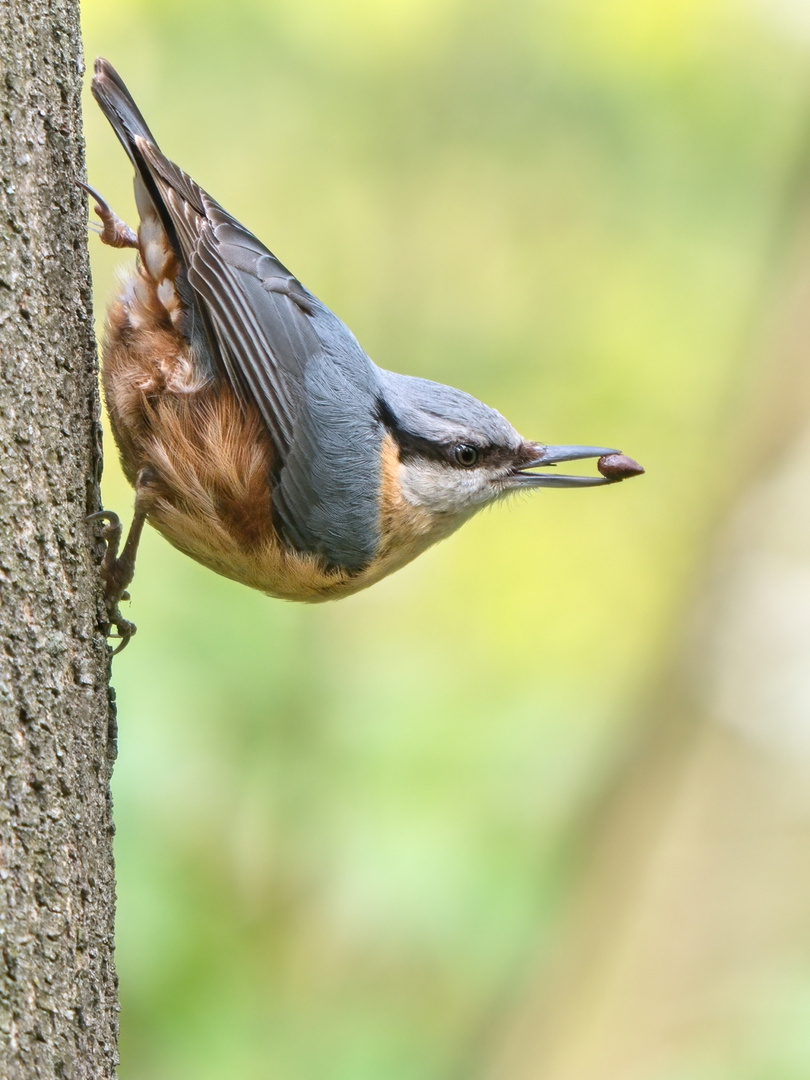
(349, 835)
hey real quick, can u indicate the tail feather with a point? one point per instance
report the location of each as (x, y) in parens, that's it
(118, 106)
(157, 182)
(116, 103)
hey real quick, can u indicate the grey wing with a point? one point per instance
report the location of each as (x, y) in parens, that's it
(280, 348)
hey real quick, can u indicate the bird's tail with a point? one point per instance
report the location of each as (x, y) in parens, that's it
(118, 106)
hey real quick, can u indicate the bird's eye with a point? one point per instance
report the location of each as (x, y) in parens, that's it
(466, 455)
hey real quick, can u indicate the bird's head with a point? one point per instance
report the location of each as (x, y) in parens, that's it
(457, 455)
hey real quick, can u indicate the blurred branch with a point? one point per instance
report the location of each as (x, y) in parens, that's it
(58, 1003)
(684, 938)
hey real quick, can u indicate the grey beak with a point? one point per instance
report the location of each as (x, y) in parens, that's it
(550, 455)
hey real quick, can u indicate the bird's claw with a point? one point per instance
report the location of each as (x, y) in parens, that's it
(113, 232)
(116, 574)
(125, 628)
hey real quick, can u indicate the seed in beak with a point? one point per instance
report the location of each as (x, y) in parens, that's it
(618, 467)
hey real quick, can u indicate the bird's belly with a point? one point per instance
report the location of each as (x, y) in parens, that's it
(267, 567)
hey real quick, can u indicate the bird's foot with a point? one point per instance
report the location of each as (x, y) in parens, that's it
(116, 573)
(114, 232)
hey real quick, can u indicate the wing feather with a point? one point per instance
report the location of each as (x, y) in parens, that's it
(253, 304)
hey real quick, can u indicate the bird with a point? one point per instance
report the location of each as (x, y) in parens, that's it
(260, 438)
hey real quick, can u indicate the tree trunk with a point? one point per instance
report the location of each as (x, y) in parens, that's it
(58, 1011)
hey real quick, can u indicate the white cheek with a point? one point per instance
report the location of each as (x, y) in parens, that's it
(443, 490)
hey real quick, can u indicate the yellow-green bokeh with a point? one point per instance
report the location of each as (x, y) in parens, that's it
(343, 830)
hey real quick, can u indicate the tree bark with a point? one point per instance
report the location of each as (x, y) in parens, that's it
(58, 1005)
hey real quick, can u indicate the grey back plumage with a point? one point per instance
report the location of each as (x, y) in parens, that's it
(327, 499)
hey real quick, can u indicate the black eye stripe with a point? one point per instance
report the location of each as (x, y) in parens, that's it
(413, 446)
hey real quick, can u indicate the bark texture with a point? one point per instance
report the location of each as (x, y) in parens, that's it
(58, 1011)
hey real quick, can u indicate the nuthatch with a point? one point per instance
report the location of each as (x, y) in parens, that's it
(260, 438)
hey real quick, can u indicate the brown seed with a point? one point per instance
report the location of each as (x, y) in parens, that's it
(618, 467)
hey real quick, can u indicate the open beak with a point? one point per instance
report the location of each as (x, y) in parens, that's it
(613, 465)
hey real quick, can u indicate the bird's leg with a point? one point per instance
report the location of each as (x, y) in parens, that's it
(114, 231)
(117, 571)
